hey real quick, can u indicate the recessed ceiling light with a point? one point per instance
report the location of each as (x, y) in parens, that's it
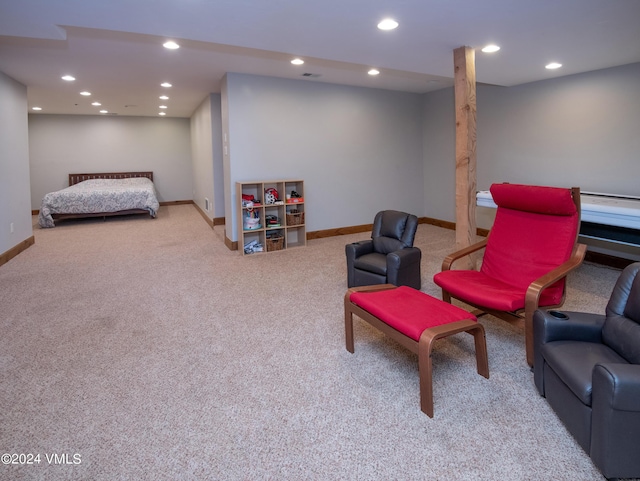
(36, 108)
(490, 49)
(374, 71)
(85, 93)
(68, 78)
(163, 97)
(96, 104)
(553, 66)
(162, 113)
(104, 111)
(163, 107)
(388, 24)
(171, 45)
(165, 84)
(297, 61)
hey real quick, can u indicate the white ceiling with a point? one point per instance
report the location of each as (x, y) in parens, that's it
(114, 48)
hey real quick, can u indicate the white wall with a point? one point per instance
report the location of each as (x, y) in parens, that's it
(63, 144)
(358, 150)
(202, 157)
(580, 130)
(14, 165)
(229, 190)
(206, 148)
(216, 141)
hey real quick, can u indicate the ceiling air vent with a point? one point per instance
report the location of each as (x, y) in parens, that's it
(311, 75)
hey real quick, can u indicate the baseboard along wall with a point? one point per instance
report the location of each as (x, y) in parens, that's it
(17, 249)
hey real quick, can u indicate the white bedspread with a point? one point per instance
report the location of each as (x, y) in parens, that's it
(100, 195)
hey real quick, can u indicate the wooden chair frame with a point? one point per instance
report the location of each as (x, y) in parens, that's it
(532, 297)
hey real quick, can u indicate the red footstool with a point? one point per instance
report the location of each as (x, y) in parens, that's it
(415, 320)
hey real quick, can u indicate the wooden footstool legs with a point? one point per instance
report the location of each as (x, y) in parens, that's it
(415, 320)
(425, 345)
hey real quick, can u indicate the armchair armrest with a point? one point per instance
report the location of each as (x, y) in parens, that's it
(615, 419)
(357, 249)
(403, 257)
(617, 386)
(536, 287)
(403, 267)
(532, 297)
(580, 326)
(451, 258)
(353, 251)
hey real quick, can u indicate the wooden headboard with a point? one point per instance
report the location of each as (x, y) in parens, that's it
(75, 178)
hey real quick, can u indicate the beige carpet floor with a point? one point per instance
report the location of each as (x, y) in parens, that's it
(140, 349)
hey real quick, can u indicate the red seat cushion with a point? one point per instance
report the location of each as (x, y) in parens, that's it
(408, 310)
(481, 290)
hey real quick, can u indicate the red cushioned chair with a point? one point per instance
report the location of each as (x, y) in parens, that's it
(531, 248)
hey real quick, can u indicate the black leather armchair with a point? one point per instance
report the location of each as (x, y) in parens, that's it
(389, 256)
(588, 368)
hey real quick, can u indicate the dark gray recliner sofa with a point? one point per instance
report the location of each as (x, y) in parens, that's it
(389, 256)
(588, 368)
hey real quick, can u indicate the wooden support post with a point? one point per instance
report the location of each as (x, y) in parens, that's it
(465, 104)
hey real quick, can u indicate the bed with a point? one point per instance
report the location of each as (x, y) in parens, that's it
(100, 195)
